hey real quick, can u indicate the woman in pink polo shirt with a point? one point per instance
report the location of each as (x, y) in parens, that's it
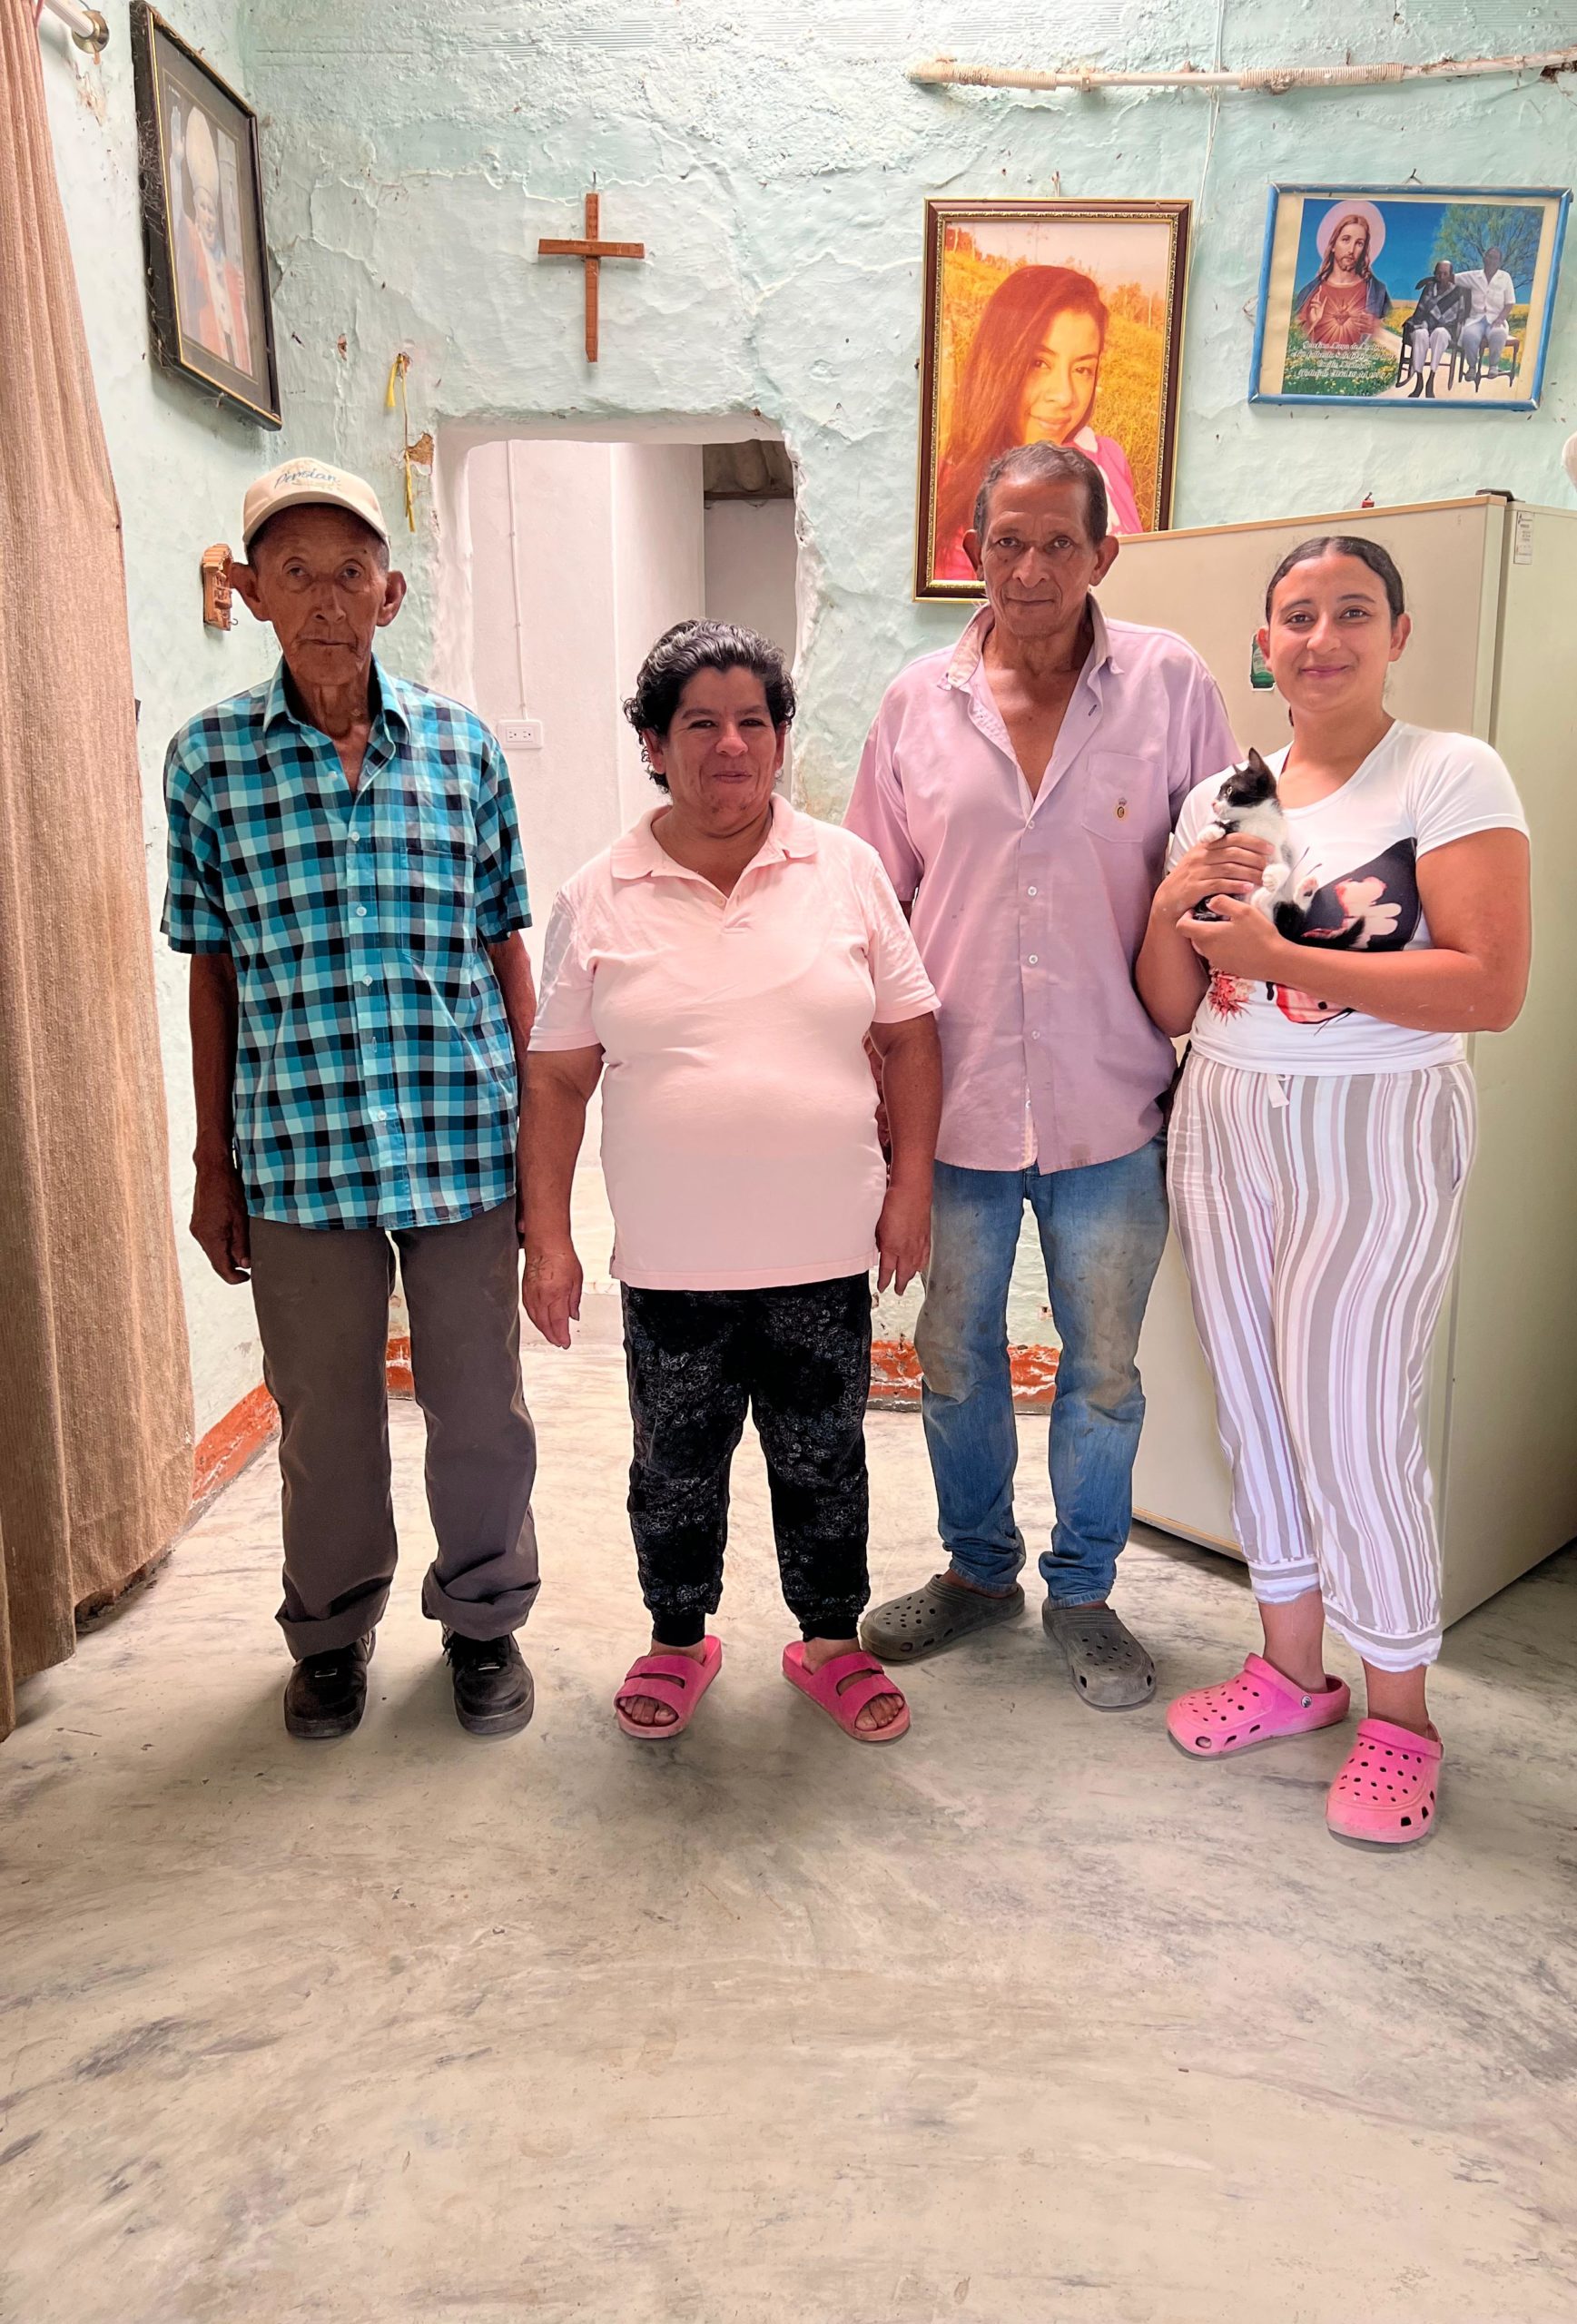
(719, 969)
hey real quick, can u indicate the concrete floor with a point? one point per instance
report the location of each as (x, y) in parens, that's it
(1024, 2018)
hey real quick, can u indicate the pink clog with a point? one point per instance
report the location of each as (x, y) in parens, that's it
(843, 1687)
(670, 1679)
(1385, 1792)
(1258, 1706)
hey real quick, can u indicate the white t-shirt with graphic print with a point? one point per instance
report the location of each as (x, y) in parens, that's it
(1416, 790)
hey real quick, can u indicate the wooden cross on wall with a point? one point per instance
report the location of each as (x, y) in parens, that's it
(591, 251)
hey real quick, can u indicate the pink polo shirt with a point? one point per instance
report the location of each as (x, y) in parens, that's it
(738, 1112)
(1030, 910)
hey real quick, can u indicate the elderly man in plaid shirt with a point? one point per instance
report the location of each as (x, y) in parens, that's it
(345, 871)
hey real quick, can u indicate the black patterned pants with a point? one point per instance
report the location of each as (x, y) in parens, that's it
(798, 1359)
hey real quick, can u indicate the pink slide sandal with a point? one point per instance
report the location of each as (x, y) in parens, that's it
(843, 1687)
(1385, 1792)
(1258, 1706)
(670, 1679)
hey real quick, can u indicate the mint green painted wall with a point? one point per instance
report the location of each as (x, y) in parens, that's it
(180, 471)
(774, 159)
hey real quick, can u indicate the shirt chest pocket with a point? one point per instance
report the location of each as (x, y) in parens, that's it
(432, 883)
(430, 852)
(434, 821)
(418, 811)
(1116, 787)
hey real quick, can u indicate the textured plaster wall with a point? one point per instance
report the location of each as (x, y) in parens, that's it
(179, 468)
(775, 160)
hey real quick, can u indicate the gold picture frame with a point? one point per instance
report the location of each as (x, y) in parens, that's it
(1061, 320)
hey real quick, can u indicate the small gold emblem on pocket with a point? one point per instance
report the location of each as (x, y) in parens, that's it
(1121, 808)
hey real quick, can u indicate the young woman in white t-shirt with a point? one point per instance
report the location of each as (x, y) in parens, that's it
(1322, 1136)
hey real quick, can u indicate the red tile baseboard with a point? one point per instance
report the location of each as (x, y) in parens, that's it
(223, 1452)
(895, 1377)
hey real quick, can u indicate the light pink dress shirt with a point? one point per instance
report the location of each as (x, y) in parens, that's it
(1029, 910)
(738, 1112)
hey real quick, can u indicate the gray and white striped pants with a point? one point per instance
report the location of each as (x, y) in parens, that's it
(1318, 1215)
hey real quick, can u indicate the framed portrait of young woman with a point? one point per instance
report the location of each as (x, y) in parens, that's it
(203, 223)
(1047, 321)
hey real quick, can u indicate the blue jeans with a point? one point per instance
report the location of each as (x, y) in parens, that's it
(1102, 1232)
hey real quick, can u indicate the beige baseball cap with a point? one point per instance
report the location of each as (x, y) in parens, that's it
(296, 483)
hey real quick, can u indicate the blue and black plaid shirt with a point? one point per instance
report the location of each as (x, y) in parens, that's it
(375, 1075)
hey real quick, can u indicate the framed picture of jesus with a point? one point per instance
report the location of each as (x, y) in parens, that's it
(1420, 297)
(203, 223)
(1047, 321)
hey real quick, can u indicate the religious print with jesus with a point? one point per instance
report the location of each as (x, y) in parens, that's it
(1047, 322)
(1418, 296)
(203, 223)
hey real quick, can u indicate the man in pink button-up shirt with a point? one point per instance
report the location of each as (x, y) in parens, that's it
(1021, 790)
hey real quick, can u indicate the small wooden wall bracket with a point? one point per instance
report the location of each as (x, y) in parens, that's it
(217, 611)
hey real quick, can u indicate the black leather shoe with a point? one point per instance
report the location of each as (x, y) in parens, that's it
(493, 1690)
(328, 1692)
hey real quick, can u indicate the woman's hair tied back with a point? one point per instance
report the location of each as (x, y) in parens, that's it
(691, 646)
(1380, 562)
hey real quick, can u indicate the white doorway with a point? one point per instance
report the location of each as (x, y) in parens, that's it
(748, 538)
(569, 558)
(580, 554)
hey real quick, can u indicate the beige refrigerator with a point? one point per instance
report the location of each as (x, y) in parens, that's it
(1493, 589)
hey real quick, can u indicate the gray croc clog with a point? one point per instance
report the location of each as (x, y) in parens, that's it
(937, 1615)
(1106, 1662)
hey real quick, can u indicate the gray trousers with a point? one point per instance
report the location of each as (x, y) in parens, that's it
(321, 1295)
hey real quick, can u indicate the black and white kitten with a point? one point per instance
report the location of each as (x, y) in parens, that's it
(1248, 805)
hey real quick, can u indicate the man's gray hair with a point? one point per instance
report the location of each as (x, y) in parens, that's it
(1047, 464)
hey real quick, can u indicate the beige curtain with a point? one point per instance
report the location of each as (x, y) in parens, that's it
(95, 1427)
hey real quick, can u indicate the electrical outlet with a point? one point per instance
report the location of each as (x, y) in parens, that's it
(520, 733)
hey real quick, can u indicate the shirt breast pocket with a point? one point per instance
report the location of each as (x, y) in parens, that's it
(442, 824)
(432, 877)
(1116, 796)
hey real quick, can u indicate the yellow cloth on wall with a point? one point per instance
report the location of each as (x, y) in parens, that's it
(95, 1422)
